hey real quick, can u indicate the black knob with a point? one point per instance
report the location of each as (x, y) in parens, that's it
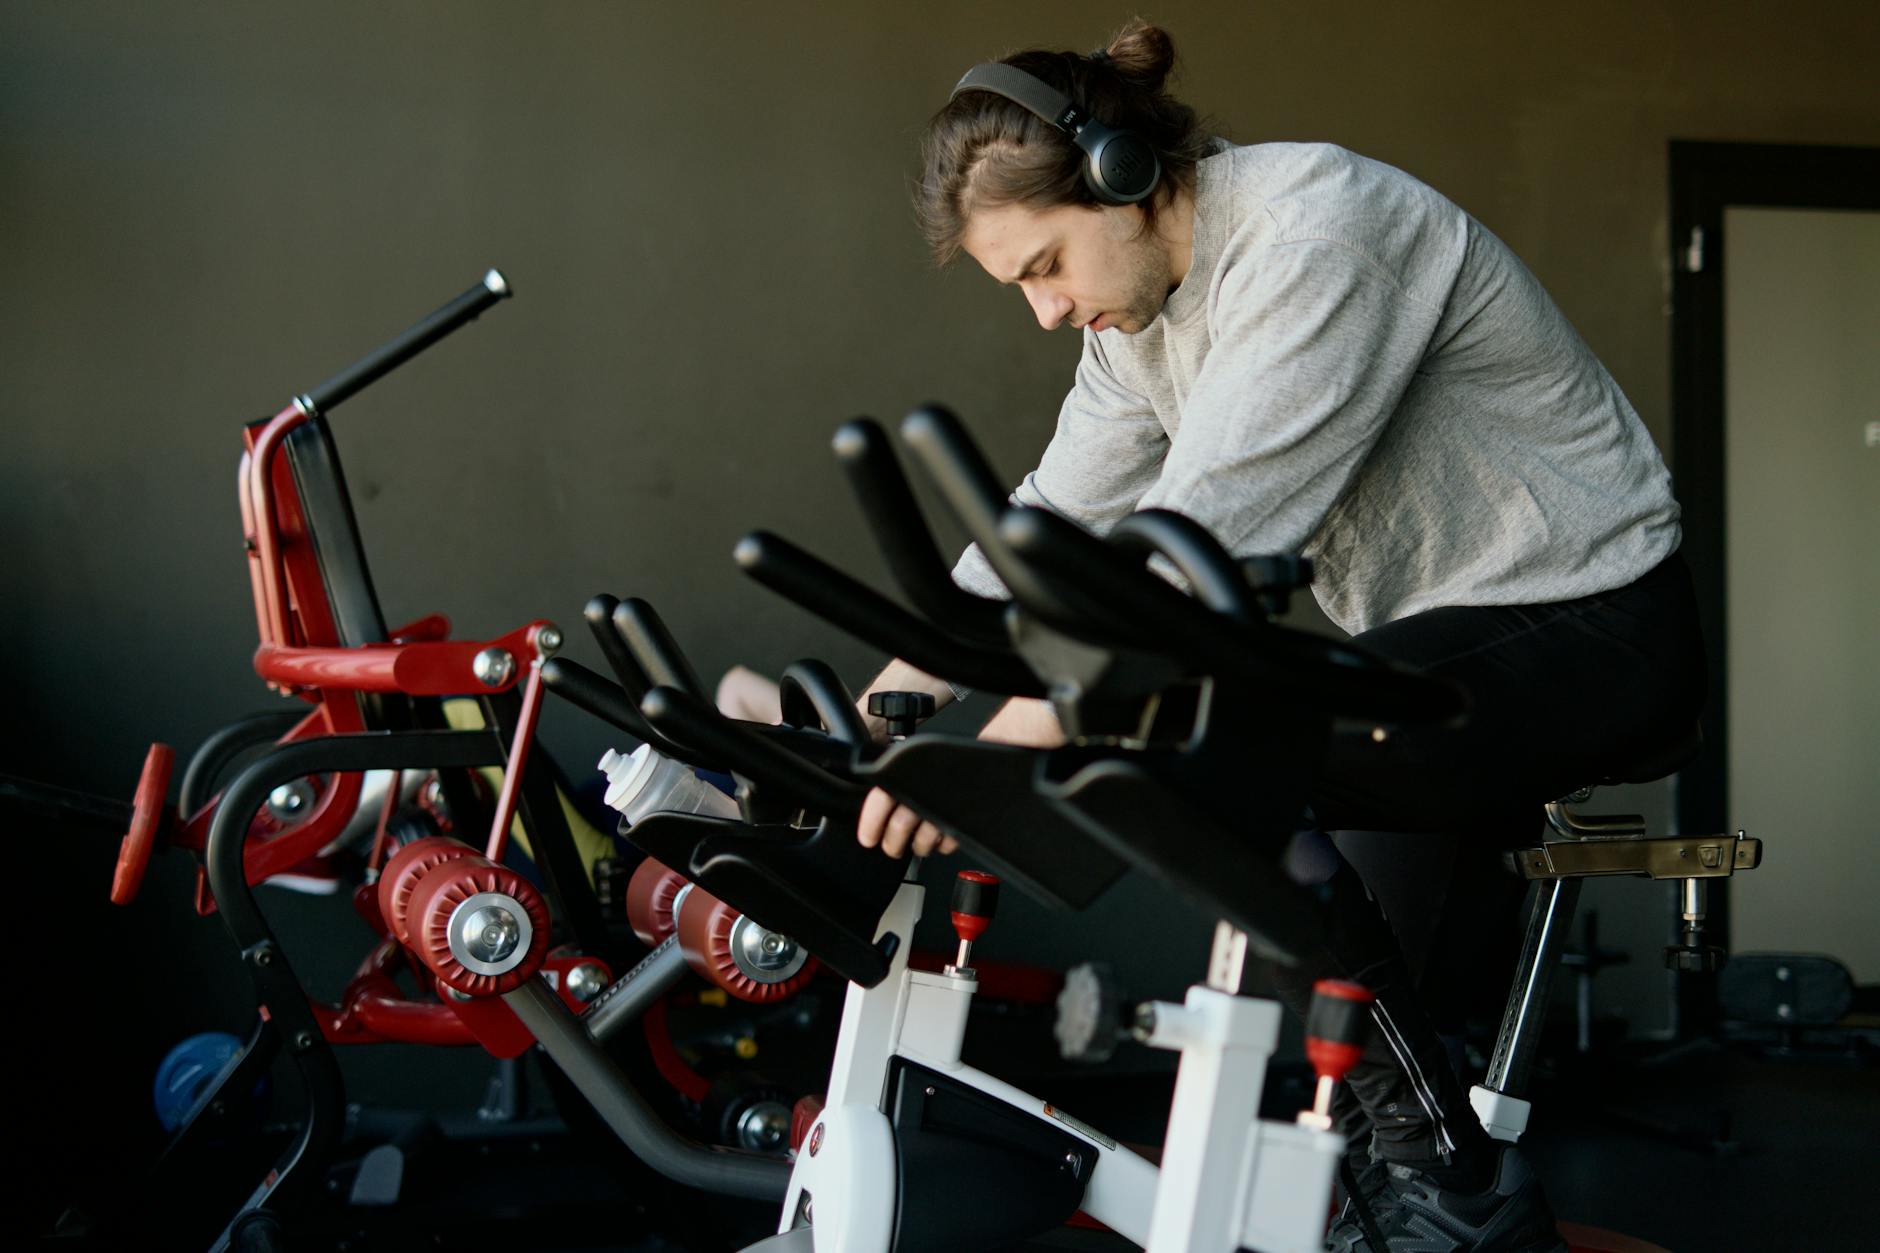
(903, 711)
(1275, 579)
(1695, 959)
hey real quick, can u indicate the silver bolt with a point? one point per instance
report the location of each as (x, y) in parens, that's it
(493, 667)
(290, 800)
(490, 933)
(1785, 1011)
(764, 1127)
(548, 640)
(1782, 973)
(930, 1091)
(764, 955)
(586, 981)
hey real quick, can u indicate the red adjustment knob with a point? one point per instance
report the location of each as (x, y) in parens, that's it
(975, 898)
(650, 893)
(803, 1116)
(401, 875)
(146, 817)
(1336, 1027)
(737, 953)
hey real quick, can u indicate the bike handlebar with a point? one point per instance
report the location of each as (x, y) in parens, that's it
(906, 543)
(382, 360)
(865, 613)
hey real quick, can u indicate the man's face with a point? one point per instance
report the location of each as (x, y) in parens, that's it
(1091, 267)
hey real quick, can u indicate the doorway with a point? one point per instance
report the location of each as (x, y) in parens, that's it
(1776, 455)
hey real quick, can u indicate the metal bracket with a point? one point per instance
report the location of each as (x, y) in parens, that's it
(1572, 826)
(1668, 857)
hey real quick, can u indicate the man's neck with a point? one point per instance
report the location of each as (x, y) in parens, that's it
(1176, 226)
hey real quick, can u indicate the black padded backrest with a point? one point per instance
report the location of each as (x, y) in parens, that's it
(327, 506)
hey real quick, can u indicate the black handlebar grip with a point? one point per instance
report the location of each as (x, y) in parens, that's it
(868, 615)
(1216, 578)
(644, 633)
(814, 684)
(599, 613)
(458, 313)
(906, 543)
(580, 686)
(959, 469)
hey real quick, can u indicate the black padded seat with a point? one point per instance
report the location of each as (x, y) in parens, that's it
(1658, 762)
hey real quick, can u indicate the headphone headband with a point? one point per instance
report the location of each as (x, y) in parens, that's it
(1121, 168)
(1036, 95)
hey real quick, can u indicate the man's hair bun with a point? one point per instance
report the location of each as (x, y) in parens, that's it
(1143, 54)
(984, 150)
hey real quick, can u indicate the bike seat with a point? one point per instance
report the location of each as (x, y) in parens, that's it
(1657, 761)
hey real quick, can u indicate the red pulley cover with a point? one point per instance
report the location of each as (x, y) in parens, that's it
(447, 885)
(704, 927)
(650, 894)
(402, 872)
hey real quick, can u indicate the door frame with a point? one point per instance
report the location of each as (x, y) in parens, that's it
(1706, 178)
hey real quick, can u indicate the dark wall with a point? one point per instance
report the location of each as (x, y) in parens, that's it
(702, 207)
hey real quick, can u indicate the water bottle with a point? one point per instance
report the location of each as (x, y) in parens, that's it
(645, 782)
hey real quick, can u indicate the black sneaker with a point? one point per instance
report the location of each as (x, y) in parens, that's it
(1360, 1175)
(1411, 1214)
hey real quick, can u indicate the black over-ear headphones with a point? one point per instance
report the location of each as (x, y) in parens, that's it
(1119, 168)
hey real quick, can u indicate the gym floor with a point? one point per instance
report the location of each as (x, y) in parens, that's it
(1785, 1176)
(1789, 1174)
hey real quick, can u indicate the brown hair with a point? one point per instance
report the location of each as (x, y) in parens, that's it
(983, 150)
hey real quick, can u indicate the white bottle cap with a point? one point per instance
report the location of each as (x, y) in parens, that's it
(627, 775)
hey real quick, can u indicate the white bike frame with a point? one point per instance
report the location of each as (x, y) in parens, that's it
(1228, 1179)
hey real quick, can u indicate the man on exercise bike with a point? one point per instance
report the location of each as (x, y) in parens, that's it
(1310, 352)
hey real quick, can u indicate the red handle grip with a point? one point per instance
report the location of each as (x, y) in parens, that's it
(153, 785)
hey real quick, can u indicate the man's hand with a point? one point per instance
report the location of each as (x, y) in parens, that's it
(895, 828)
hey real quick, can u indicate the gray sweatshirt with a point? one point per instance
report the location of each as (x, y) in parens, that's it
(1356, 369)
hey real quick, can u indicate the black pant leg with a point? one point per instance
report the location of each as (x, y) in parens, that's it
(1561, 694)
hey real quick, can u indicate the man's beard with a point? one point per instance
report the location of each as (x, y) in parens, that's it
(1148, 288)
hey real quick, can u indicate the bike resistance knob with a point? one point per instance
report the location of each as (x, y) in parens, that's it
(1336, 1024)
(975, 898)
(902, 711)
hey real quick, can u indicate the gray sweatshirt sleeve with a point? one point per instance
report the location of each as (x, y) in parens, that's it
(1314, 345)
(1106, 452)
